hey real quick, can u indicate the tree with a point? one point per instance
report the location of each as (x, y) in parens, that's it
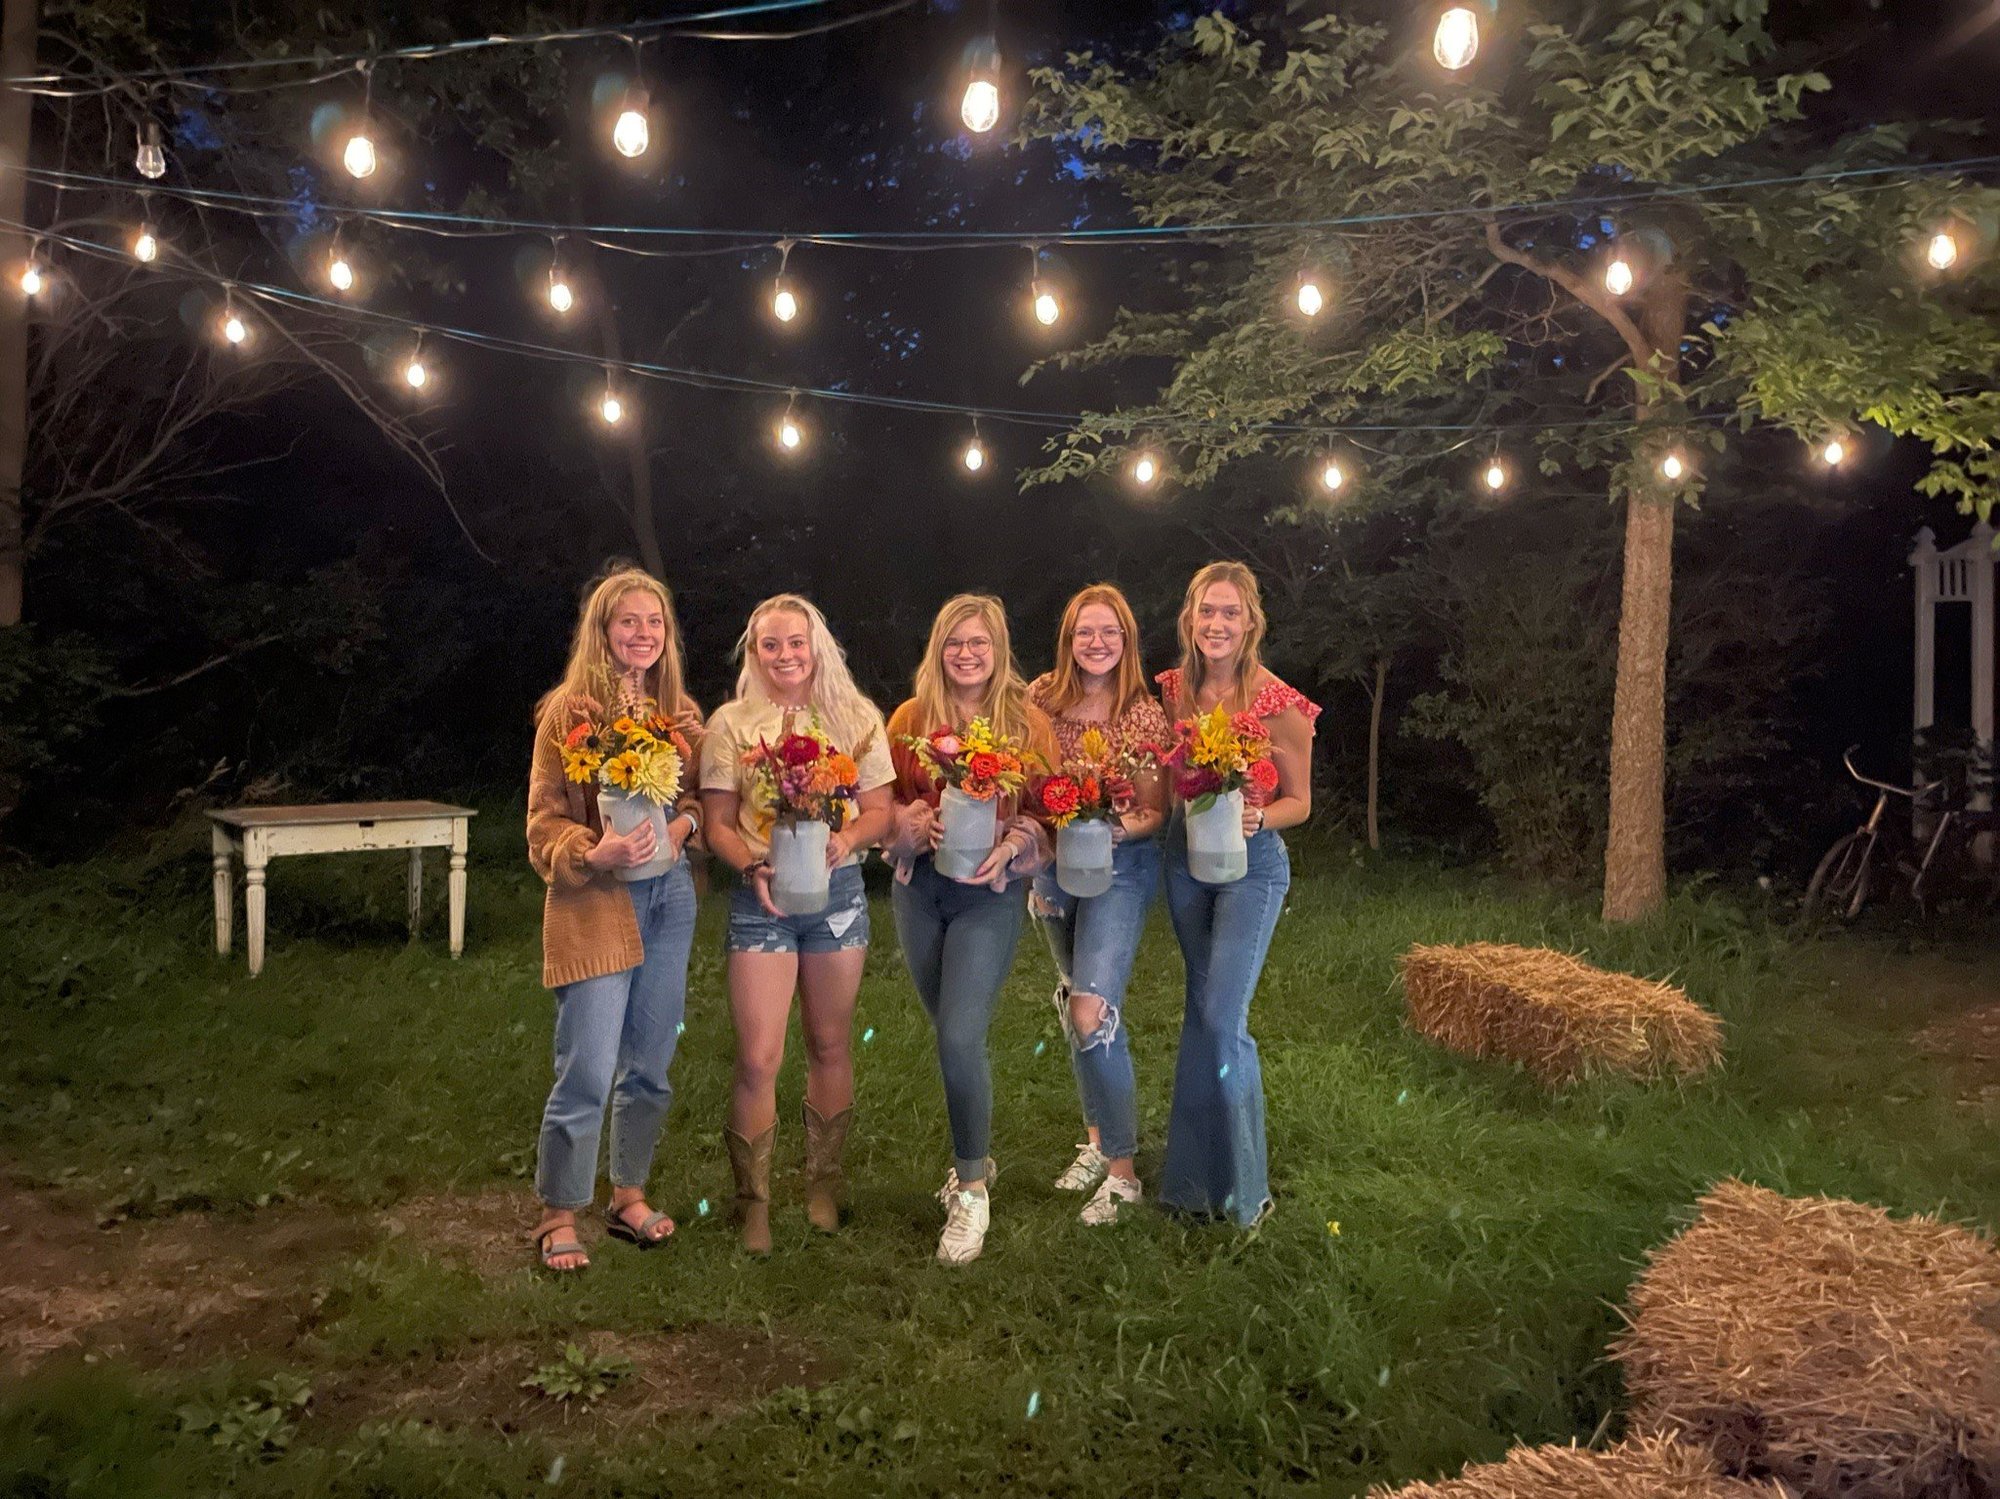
(1463, 225)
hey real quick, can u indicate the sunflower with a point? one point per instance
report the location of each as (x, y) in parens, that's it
(621, 770)
(579, 765)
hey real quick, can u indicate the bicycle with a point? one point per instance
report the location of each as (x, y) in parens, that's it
(1848, 871)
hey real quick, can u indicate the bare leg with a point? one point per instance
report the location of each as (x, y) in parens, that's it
(828, 984)
(760, 1004)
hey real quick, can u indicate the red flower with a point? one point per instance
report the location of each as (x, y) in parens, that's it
(798, 749)
(1263, 776)
(983, 766)
(946, 744)
(1249, 725)
(1059, 796)
(1198, 782)
(575, 737)
(1091, 790)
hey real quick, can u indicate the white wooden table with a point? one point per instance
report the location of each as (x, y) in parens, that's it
(261, 834)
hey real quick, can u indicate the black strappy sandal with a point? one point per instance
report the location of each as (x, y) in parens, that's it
(546, 1252)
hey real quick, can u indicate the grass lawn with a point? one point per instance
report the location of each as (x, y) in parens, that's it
(224, 1193)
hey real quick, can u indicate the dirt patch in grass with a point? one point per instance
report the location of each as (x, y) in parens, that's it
(487, 1232)
(676, 1374)
(182, 1290)
(1970, 1043)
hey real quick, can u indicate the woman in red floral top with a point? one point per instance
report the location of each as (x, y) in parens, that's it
(1216, 1158)
(1099, 685)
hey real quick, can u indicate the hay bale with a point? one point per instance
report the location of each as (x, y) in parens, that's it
(1642, 1468)
(1554, 1014)
(1847, 1352)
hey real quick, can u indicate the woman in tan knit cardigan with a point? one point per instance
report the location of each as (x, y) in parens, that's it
(614, 947)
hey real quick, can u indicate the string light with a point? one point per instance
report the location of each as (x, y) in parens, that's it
(632, 133)
(1618, 277)
(1495, 475)
(339, 269)
(1834, 453)
(1332, 476)
(1942, 252)
(784, 301)
(1671, 467)
(417, 374)
(1310, 298)
(1456, 41)
(1047, 309)
(1145, 469)
(358, 156)
(151, 161)
(980, 108)
(32, 279)
(561, 298)
(610, 408)
(974, 456)
(234, 329)
(791, 434)
(145, 245)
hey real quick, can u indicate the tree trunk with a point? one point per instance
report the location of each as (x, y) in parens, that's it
(1375, 749)
(1635, 860)
(17, 59)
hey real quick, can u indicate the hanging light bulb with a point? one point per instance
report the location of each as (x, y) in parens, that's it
(1942, 251)
(980, 108)
(784, 304)
(974, 456)
(1332, 476)
(632, 133)
(1834, 453)
(561, 298)
(611, 409)
(1456, 41)
(152, 158)
(1145, 469)
(1618, 277)
(1310, 298)
(359, 155)
(32, 280)
(1671, 467)
(145, 245)
(1048, 311)
(417, 374)
(1496, 475)
(339, 269)
(790, 434)
(234, 329)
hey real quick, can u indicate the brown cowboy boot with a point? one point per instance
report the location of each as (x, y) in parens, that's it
(750, 1160)
(826, 1140)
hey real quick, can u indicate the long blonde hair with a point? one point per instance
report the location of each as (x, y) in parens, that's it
(1249, 656)
(845, 710)
(591, 669)
(1005, 705)
(1066, 681)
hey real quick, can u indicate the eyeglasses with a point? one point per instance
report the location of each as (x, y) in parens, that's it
(977, 646)
(1110, 636)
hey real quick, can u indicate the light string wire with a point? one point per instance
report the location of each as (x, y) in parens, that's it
(334, 65)
(902, 240)
(745, 384)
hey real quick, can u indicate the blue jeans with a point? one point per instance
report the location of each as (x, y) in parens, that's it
(959, 941)
(615, 1039)
(841, 925)
(1093, 941)
(1215, 1133)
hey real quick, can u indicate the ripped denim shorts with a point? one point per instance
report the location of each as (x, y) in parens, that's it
(841, 925)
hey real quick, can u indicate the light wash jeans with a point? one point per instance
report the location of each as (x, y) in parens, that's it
(1094, 940)
(959, 942)
(615, 1039)
(1215, 1134)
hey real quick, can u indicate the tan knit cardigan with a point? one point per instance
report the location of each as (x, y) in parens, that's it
(588, 926)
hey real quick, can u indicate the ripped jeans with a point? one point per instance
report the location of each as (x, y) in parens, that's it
(1093, 941)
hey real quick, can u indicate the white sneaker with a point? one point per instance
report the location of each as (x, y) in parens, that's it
(1104, 1204)
(1082, 1173)
(950, 1189)
(967, 1217)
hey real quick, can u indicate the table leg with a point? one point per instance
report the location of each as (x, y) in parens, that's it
(416, 892)
(253, 901)
(225, 895)
(456, 885)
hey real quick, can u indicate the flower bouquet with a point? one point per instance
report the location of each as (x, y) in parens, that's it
(1215, 756)
(1081, 800)
(978, 767)
(636, 757)
(808, 791)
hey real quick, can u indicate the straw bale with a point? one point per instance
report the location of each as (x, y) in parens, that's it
(1847, 1352)
(1554, 1014)
(1641, 1468)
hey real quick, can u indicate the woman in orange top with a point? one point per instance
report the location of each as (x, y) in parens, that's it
(615, 951)
(958, 937)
